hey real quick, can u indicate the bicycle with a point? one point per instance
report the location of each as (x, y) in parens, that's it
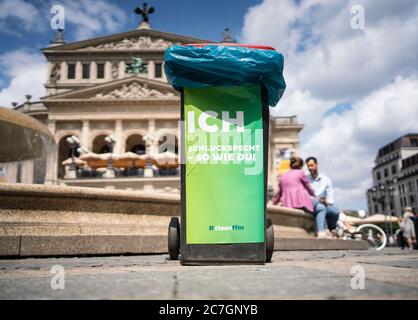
(375, 236)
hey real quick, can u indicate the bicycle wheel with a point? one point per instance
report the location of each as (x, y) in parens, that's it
(374, 235)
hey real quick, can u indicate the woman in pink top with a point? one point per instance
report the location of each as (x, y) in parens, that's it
(294, 189)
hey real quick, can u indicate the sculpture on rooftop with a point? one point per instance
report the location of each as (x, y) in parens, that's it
(55, 73)
(227, 35)
(136, 67)
(145, 12)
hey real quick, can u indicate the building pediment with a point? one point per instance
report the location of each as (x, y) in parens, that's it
(130, 88)
(142, 39)
(133, 90)
(132, 43)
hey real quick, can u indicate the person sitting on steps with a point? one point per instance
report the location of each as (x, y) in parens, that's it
(294, 190)
(325, 211)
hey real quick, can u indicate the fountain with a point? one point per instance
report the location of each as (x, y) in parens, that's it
(51, 220)
(23, 137)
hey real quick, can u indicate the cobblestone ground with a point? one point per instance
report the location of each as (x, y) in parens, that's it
(389, 274)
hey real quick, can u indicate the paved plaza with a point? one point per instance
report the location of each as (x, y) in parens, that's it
(389, 274)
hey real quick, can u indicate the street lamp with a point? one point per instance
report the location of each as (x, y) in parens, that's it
(379, 194)
(391, 190)
(110, 142)
(382, 199)
(74, 143)
(82, 150)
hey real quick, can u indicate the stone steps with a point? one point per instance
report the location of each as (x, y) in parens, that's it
(41, 220)
(79, 245)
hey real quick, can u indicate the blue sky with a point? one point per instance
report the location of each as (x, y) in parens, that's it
(206, 20)
(354, 88)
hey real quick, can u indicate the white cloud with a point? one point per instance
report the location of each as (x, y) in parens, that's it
(92, 17)
(338, 62)
(309, 110)
(354, 66)
(83, 19)
(347, 143)
(27, 71)
(24, 16)
(375, 70)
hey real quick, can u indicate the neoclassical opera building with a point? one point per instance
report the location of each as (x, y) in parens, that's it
(111, 93)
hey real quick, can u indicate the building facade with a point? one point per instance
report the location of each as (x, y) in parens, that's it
(92, 93)
(395, 177)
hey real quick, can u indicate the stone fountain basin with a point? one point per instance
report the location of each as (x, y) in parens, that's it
(44, 220)
(23, 137)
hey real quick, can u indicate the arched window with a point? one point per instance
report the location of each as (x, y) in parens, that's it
(135, 143)
(100, 145)
(64, 152)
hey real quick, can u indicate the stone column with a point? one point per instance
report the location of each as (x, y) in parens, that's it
(64, 71)
(85, 141)
(120, 144)
(78, 70)
(151, 69)
(50, 66)
(93, 70)
(10, 169)
(52, 159)
(108, 70)
(122, 66)
(27, 171)
(150, 148)
(151, 132)
(51, 126)
(163, 73)
(272, 173)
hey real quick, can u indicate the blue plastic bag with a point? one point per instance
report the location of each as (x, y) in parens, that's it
(220, 65)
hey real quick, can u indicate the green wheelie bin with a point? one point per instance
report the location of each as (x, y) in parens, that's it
(226, 90)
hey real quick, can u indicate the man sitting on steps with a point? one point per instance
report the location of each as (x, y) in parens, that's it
(325, 212)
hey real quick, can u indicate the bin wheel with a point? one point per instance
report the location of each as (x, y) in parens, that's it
(174, 238)
(269, 240)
